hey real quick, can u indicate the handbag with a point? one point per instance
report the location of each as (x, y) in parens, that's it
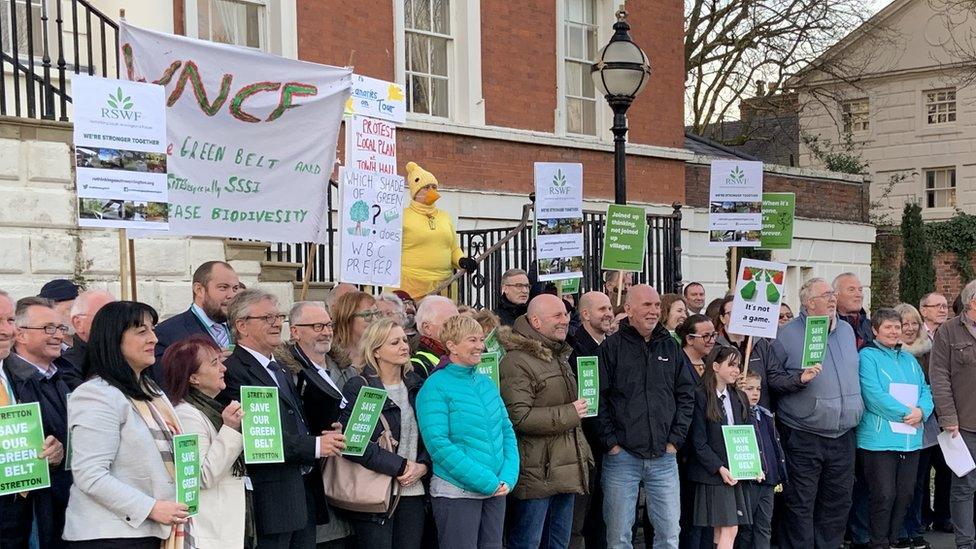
(351, 486)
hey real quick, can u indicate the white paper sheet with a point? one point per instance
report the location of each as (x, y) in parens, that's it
(956, 453)
(907, 394)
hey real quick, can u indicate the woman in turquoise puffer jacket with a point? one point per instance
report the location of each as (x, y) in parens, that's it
(889, 436)
(469, 436)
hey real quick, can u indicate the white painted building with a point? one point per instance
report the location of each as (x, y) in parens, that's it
(905, 102)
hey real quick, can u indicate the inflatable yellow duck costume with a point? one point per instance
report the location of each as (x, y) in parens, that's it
(430, 243)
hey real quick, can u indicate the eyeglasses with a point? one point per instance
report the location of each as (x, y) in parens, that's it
(270, 318)
(937, 306)
(316, 326)
(518, 286)
(707, 337)
(786, 316)
(369, 315)
(826, 295)
(50, 329)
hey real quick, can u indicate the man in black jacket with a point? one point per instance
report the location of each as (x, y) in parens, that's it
(646, 403)
(515, 296)
(596, 315)
(284, 501)
(33, 373)
(83, 310)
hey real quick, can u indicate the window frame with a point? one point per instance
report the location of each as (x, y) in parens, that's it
(191, 24)
(565, 25)
(603, 19)
(951, 111)
(950, 186)
(37, 21)
(450, 54)
(856, 122)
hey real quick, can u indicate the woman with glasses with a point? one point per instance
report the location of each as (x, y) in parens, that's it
(351, 315)
(121, 428)
(697, 339)
(785, 313)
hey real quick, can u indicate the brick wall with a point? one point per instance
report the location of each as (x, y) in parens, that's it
(948, 281)
(816, 198)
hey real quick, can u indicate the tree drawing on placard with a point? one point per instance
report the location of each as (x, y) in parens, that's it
(359, 212)
(119, 100)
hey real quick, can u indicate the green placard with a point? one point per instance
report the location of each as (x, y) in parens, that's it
(742, 450)
(489, 366)
(365, 413)
(21, 443)
(491, 342)
(261, 426)
(588, 382)
(186, 460)
(625, 240)
(569, 285)
(815, 340)
(778, 212)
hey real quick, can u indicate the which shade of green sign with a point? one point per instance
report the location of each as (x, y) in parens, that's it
(815, 340)
(569, 285)
(625, 239)
(489, 366)
(742, 449)
(186, 459)
(261, 426)
(21, 443)
(365, 413)
(778, 213)
(588, 383)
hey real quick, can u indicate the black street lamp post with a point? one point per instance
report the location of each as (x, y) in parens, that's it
(620, 73)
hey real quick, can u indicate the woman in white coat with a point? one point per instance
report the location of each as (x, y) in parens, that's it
(194, 376)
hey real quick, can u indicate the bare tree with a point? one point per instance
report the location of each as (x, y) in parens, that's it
(957, 37)
(732, 44)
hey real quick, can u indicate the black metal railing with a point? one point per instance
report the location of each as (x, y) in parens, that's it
(662, 264)
(35, 59)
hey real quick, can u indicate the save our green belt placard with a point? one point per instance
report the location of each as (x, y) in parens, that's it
(588, 382)
(365, 413)
(186, 459)
(21, 443)
(625, 239)
(261, 426)
(815, 340)
(742, 449)
(489, 366)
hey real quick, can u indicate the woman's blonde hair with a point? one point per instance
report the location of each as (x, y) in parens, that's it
(343, 314)
(907, 308)
(459, 327)
(373, 338)
(488, 320)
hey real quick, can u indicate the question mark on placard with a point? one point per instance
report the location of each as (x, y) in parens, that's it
(377, 214)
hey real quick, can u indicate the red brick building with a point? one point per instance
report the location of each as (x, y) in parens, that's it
(518, 89)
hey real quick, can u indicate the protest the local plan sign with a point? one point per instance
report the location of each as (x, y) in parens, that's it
(735, 203)
(371, 227)
(120, 153)
(559, 220)
(755, 303)
(251, 136)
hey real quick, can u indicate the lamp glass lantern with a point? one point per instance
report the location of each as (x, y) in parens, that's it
(622, 69)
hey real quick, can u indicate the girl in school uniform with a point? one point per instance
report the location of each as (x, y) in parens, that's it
(720, 502)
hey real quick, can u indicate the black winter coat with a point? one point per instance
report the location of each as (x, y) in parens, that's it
(507, 311)
(708, 453)
(646, 395)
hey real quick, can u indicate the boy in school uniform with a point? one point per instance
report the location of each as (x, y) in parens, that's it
(757, 535)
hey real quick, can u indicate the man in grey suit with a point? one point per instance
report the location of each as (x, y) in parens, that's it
(284, 493)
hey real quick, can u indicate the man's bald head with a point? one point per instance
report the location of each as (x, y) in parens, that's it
(84, 309)
(547, 314)
(643, 308)
(596, 312)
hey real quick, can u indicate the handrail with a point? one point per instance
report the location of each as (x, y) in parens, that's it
(523, 223)
(18, 64)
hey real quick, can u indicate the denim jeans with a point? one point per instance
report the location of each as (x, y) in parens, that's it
(622, 475)
(552, 516)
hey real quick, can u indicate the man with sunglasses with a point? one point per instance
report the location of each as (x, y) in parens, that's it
(33, 370)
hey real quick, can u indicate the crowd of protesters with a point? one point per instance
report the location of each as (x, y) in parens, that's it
(461, 462)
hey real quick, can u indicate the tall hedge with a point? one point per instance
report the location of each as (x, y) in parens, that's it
(917, 273)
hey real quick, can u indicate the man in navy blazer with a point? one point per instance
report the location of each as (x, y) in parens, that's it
(214, 285)
(284, 500)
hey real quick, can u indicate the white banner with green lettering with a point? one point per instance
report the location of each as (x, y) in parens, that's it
(251, 136)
